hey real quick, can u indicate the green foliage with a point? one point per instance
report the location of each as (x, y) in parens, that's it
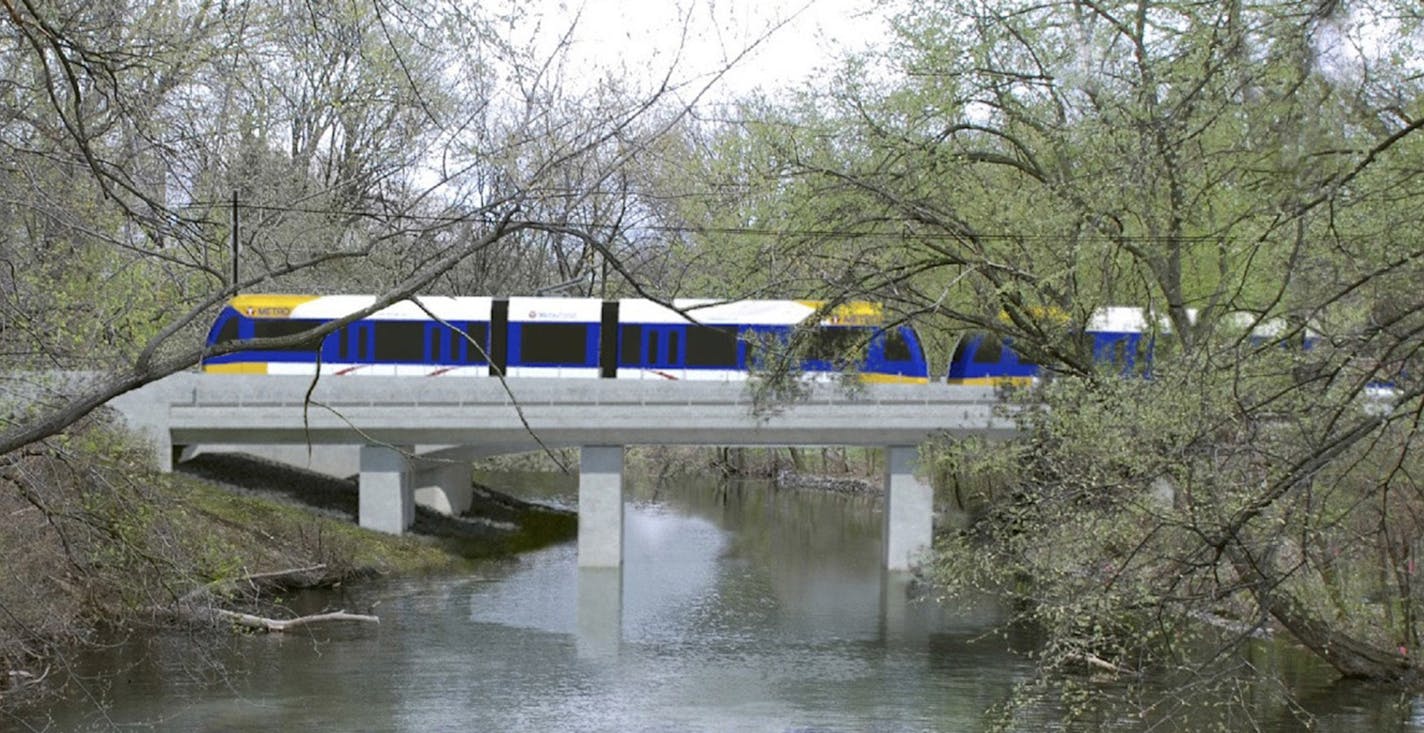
(1012, 167)
(1153, 526)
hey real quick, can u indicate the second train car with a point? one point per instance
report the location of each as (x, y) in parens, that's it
(1117, 335)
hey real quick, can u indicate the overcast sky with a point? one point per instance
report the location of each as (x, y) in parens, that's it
(639, 39)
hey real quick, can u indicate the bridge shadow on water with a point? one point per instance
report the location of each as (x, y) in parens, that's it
(495, 521)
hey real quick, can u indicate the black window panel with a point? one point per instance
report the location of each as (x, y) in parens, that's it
(286, 327)
(357, 338)
(712, 346)
(630, 351)
(990, 350)
(462, 350)
(840, 345)
(228, 332)
(400, 341)
(767, 348)
(897, 348)
(553, 343)
(1119, 352)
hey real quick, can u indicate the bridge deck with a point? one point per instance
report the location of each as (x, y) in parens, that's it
(408, 411)
(387, 415)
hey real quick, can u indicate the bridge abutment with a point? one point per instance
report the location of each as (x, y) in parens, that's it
(387, 500)
(909, 509)
(443, 486)
(600, 506)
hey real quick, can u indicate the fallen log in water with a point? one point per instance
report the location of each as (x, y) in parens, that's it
(262, 623)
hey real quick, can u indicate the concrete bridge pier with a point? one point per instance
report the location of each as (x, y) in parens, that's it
(600, 506)
(909, 509)
(387, 501)
(600, 611)
(443, 485)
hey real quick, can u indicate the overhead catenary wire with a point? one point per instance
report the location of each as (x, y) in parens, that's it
(830, 233)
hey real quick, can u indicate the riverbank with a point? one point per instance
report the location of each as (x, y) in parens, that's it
(838, 470)
(93, 542)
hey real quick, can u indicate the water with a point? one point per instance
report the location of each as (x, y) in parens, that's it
(737, 609)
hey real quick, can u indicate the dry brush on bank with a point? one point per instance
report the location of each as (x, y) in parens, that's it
(94, 544)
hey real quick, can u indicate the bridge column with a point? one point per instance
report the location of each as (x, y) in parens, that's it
(600, 611)
(909, 509)
(444, 486)
(387, 503)
(600, 528)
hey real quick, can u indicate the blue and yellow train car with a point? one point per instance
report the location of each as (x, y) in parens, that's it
(1117, 336)
(561, 337)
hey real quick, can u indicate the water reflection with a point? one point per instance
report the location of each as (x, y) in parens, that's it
(738, 608)
(600, 611)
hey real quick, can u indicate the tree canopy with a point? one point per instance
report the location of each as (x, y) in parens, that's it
(1248, 173)
(358, 146)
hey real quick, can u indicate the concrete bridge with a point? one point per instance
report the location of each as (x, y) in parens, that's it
(412, 437)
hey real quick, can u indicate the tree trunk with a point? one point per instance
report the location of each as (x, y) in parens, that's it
(1351, 657)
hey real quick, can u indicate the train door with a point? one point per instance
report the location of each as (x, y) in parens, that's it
(664, 347)
(443, 346)
(360, 343)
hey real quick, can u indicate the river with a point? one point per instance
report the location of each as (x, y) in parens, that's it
(738, 608)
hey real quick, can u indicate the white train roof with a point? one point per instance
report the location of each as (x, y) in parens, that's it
(1130, 319)
(553, 309)
(1118, 319)
(714, 312)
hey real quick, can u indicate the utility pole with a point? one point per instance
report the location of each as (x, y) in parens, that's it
(234, 242)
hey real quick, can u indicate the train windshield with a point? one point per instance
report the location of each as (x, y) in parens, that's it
(226, 331)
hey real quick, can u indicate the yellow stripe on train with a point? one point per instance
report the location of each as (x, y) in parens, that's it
(870, 378)
(248, 367)
(269, 306)
(994, 381)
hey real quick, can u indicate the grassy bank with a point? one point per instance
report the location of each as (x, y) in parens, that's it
(92, 540)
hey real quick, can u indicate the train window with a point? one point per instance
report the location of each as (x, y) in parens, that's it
(451, 344)
(630, 351)
(400, 341)
(287, 327)
(762, 346)
(712, 346)
(837, 345)
(228, 331)
(473, 353)
(990, 350)
(1119, 352)
(553, 343)
(897, 348)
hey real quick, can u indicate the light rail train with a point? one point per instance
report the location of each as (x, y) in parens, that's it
(1119, 336)
(561, 337)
